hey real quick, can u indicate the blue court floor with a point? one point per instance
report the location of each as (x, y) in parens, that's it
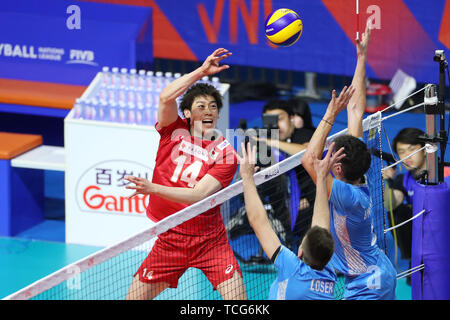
(41, 250)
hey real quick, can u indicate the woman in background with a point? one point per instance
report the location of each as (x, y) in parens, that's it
(302, 114)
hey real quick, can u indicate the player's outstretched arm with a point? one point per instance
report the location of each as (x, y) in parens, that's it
(321, 213)
(317, 142)
(357, 104)
(204, 188)
(257, 215)
(168, 109)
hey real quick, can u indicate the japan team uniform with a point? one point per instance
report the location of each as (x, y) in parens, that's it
(298, 281)
(201, 242)
(368, 272)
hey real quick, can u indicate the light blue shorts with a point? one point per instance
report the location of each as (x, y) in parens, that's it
(378, 283)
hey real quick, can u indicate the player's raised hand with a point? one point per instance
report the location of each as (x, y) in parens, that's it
(339, 103)
(142, 185)
(362, 46)
(211, 65)
(324, 166)
(248, 161)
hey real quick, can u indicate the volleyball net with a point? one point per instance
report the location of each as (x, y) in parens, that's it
(108, 273)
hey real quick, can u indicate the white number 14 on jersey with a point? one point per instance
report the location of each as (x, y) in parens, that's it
(189, 174)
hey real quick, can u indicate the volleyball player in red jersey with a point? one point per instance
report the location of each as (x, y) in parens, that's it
(190, 166)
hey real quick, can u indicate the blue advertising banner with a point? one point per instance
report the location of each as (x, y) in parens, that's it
(406, 34)
(69, 42)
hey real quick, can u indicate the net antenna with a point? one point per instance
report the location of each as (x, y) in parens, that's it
(357, 19)
(431, 102)
(434, 100)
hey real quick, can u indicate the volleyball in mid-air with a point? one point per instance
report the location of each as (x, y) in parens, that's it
(283, 27)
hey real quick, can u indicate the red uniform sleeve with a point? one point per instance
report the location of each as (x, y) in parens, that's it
(166, 132)
(225, 167)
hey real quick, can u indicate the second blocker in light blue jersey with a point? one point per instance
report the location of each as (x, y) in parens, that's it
(298, 281)
(352, 229)
(356, 253)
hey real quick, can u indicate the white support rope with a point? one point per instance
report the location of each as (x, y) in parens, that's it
(410, 271)
(404, 222)
(403, 111)
(404, 99)
(402, 160)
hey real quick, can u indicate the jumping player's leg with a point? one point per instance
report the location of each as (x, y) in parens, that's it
(215, 258)
(233, 288)
(161, 269)
(144, 291)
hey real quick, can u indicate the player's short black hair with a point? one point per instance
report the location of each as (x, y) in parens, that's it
(278, 104)
(408, 136)
(197, 90)
(357, 157)
(318, 247)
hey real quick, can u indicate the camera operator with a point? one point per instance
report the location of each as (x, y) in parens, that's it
(301, 189)
(291, 140)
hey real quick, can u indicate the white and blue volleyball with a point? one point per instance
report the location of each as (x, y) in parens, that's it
(283, 27)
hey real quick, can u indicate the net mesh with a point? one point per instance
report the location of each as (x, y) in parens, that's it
(288, 196)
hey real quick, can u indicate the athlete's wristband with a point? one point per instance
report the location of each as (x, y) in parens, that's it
(275, 254)
(327, 122)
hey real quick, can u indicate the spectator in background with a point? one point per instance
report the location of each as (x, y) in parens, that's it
(289, 198)
(291, 141)
(399, 191)
(302, 114)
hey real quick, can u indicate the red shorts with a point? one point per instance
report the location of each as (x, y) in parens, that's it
(173, 253)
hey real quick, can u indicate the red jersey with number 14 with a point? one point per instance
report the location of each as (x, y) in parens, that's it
(181, 161)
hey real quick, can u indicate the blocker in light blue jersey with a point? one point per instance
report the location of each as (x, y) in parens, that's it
(298, 281)
(368, 272)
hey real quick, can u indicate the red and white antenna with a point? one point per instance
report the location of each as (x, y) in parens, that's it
(357, 19)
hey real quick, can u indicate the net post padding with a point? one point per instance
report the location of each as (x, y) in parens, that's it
(431, 242)
(171, 221)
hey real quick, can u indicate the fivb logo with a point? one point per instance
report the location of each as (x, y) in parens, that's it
(82, 57)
